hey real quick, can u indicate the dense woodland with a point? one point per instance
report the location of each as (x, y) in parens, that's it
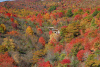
(27, 40)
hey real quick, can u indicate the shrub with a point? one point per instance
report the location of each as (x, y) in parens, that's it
(95, 13)
(69, 13)
(52, 8)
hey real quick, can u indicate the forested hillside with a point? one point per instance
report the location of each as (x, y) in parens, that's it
(50, 33)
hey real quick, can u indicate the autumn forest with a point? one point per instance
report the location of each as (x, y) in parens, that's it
(50, 33)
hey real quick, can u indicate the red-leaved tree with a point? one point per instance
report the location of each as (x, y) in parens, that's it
(42, 63)
(84, 15)
(50, 32)
(65, 61)
(12, 19)
(78, 17)
(6, 61)
(58, 48)
(42, 41)
(80, 55)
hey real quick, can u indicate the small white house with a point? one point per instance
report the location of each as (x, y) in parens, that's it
(50, 28)
(54, 30)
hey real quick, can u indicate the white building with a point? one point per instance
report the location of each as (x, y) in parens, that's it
(54, 30)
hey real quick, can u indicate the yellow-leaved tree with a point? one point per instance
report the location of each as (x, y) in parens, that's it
(2, 28)
(29, 31)
(15, 21)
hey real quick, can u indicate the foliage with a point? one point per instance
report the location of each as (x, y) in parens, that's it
(60, 14)
(54, 22)
(80, 55)
(97, 52)
(29, 31)
(39, 30)
(9, 44)
(69, 13)
(52, 8)
(38, 54)
(6, 60)
(50, 32)
(65, 61)
(77, 17)
(84, 15)
(12, 19)
(97, 45)
(58, 48)
(3, 49)
(42, 63)
(74, 63)
(14, 25)
(42, 41)
(88, 18)
(13, 33)
(47, 16)
(2, 28)
(76, 48)
(71, 31)
(92, 62)
(98, 15)
(93, 22)
(62, 56)
(78, 12)
(77, 45)
(95, 13)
